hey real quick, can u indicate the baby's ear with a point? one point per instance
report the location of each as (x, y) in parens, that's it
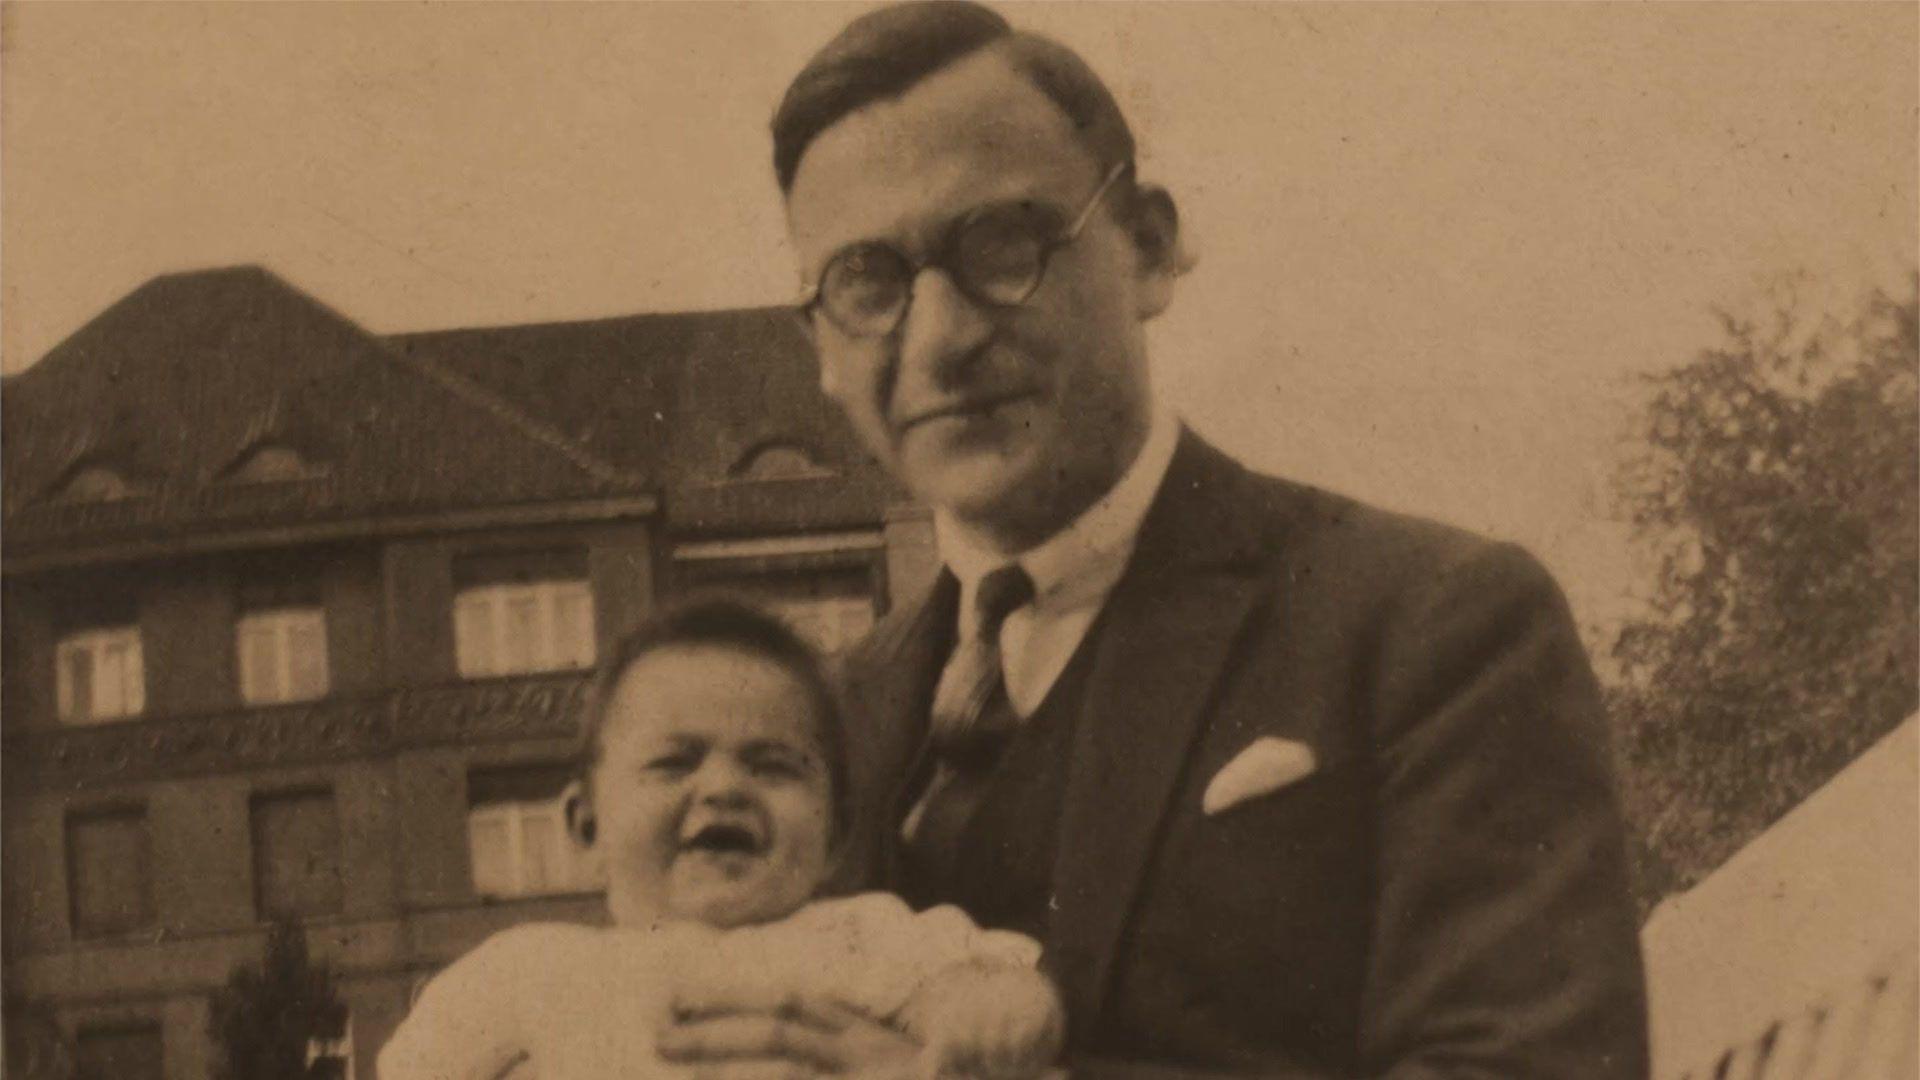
(579, 811)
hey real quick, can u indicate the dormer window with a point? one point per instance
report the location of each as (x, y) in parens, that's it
(779, 460)
(272, 463)
(96, 483)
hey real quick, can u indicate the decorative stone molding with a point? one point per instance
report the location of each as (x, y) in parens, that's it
(490, 711)
(39, 759)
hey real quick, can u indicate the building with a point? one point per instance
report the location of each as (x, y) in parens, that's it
(295, 615)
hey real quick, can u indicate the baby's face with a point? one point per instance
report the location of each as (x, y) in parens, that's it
(711, 798)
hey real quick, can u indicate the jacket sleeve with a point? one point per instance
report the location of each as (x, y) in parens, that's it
(1504, 940)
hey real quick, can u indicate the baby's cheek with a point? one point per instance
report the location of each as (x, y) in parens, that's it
(806, 832)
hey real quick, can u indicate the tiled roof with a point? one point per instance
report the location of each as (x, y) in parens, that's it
(161, 399)
(684, 400)
(178, 382)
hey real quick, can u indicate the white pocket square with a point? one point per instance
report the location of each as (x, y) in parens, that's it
(1264, 767)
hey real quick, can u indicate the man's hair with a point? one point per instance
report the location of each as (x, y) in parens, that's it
(725, 622)
(886, 53)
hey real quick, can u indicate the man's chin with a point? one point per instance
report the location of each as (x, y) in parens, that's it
(980, 487)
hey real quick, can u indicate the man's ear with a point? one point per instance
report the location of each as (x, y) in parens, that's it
(1154, 223)
(579, 810)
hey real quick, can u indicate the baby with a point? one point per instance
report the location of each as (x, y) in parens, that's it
(712, 793)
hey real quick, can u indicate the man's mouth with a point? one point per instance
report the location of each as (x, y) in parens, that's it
(970, 407)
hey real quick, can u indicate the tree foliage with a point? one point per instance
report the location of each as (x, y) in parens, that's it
(266, 1017)
(1776, 494)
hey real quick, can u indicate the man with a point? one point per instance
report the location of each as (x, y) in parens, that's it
(1287, 785)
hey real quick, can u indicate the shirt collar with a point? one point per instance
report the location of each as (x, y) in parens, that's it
(1082, 561)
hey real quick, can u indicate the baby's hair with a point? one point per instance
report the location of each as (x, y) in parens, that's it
(725, 622)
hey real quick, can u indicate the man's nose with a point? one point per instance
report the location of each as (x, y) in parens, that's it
(943, 332)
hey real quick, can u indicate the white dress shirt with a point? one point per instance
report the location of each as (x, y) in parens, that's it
(1072, 571)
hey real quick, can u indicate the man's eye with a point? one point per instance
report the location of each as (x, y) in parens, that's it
(1001, 248)
(860, 265)
(866, 272)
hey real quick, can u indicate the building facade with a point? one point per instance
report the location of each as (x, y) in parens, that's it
(296, 618)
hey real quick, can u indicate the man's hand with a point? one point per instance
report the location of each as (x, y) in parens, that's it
(800, 1040)
(989, 1021)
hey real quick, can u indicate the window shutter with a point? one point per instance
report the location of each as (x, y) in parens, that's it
(296, 854)
(259, 672)
(525, 645)
(76, 681)
(306, 655)
(107, 864)
(473, 633)
(573, 620)
(491, 851)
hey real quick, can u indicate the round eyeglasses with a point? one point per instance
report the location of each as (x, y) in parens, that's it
(996, 255)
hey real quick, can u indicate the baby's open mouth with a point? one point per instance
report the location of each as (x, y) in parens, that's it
(724, 839)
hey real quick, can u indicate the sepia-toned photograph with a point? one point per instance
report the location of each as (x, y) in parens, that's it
(942, 540)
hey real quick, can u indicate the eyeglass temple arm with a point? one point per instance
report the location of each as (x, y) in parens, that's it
(1086, 215)
(810, 290)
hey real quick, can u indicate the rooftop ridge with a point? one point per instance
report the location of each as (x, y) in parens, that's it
(505, 412)
(716, 314)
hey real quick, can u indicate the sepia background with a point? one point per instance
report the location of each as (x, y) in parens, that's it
(1435, 242)
(1440, 246)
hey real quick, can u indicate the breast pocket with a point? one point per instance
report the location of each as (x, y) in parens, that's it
(1270, 883)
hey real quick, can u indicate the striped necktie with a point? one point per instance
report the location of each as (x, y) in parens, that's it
(964, 733)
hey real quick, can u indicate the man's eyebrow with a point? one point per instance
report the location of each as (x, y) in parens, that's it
(919, 241)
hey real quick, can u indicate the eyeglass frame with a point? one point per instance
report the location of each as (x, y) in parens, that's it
(811, 297)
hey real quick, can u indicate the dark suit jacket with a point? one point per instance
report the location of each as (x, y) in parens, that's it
(1443, 896)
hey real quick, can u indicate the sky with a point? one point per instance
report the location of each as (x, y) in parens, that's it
(1437, 243)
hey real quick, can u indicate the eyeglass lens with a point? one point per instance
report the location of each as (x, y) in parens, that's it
(995, 257)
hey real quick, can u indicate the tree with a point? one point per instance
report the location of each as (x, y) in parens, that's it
(266, 1017)
(1777, 495)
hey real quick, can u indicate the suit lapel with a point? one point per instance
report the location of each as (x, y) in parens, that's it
(1169, 629)
(889, 687)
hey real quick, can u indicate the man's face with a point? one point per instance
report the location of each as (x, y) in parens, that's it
(710, 798)
(1013, 419)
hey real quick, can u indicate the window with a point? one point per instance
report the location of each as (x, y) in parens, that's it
(283, 655)
(779, 461)
(832, 622)
(827, 586)
(107, 871)
(511, 628)
(97, 483)
(831, 607)
(99, 675)
(272, 463)
(331, 1057)
(517, 834)
(296, 854)
(132, 1051)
